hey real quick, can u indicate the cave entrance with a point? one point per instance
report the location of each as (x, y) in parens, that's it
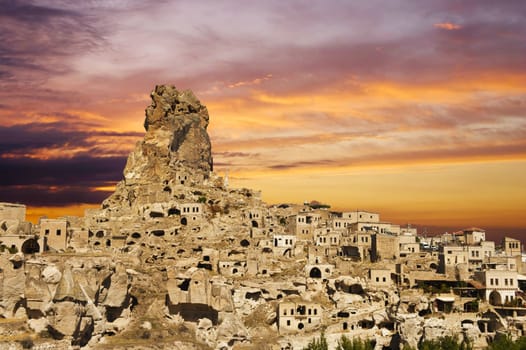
(30, 246)
(315, 273)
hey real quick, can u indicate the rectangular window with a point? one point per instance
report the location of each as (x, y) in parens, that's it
(491, 281)
(288, 322)
(496, 281)
(47, 231)
(377, 279)
(58, 232)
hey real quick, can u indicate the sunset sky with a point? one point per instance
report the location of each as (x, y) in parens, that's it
(414, 109)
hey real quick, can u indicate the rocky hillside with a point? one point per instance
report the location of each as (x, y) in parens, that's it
(175, 259)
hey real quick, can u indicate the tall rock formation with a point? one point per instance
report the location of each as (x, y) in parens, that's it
(175, 145)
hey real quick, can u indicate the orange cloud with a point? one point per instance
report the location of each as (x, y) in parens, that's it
(447, 26)
(256, 81)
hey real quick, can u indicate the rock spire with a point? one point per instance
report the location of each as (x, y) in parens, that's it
(175, 145)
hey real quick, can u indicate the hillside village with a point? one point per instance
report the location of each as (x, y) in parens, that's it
(178, 259)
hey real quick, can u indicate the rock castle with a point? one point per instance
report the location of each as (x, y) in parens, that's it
(175, 259)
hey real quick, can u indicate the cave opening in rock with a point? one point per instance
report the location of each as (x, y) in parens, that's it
(173, 211)
(192, 312)
(315, 273)
(158, 233)
(30, 246)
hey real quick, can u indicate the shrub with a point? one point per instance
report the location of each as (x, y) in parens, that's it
(318, 344)
(353, 344)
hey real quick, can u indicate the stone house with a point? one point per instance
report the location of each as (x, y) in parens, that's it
(384, 247)
(232, 268)
(327, 237)
(283, 245)
(471, 255)
(511, 246)
(361, 216)
(380, 277)
(474, 235)
(298, 317)
(54, 234)
(323, 271)
(500, 285)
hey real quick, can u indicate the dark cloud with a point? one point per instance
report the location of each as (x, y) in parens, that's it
(80, 171)
(28, 12)
(58, 182)
(42, 196)
(36, 41)
(22, 138)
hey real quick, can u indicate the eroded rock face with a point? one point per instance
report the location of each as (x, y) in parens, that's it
(176, 144)
(178, 120)
(176, 134)
(411, 329)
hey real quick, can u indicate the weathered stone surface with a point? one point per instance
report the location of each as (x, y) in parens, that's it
(38, 325)
(179, 121)
(13, 284)
(65, 317)
(411, 329)
(118, 290)
(68, 287)
(51, 274)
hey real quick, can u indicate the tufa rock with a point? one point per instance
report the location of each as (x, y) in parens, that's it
(176, 144)
(175, 126)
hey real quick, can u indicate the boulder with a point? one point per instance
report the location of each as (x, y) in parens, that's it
(118, 290)
(65, 317)
(411, 329)
(51, 274)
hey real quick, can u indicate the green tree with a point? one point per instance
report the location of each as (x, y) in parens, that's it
(353, 344)
(446, 343)
(318, 344)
